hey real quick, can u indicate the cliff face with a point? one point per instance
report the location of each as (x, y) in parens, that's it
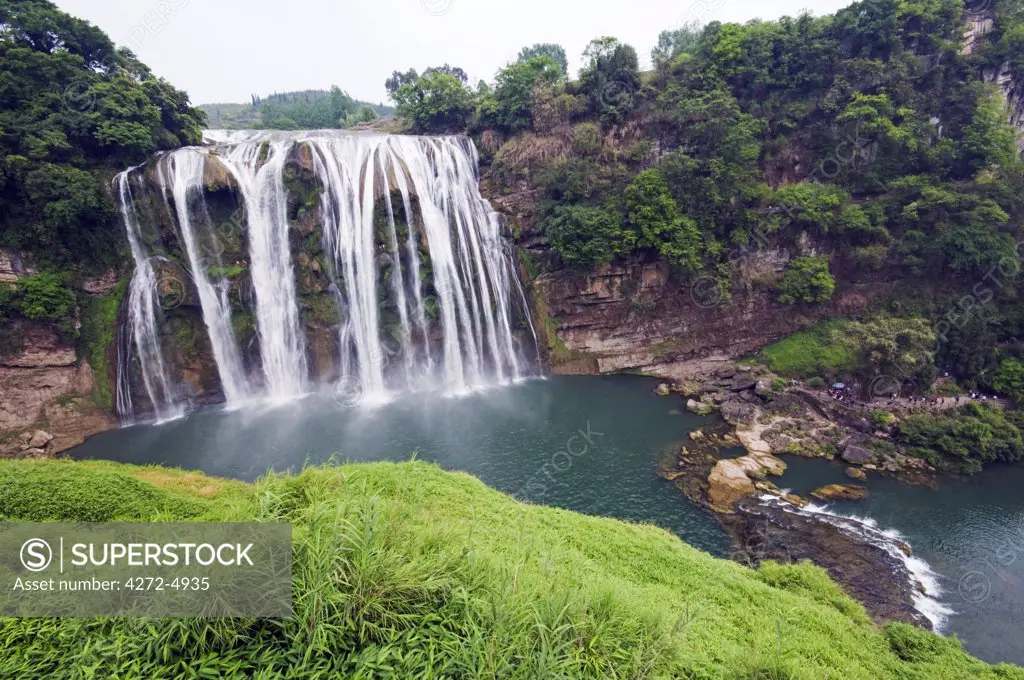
(639, 317)
(45, 388)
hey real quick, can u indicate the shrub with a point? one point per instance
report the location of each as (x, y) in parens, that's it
(1009, 379)
(587, 235)
(44, 297)
(806, 279)
(437, 101)
(654, 215)
(967, 437)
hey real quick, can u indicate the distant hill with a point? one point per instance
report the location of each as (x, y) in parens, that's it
(303, 109)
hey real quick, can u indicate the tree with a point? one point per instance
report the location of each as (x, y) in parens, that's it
(806, 279)
(514, 89)
(610, 79)
(1009, 379)
(398, 79)
(683, 40)
(586, 235)
(554, 52)
(654, 215)
(71, 107)
(896, 349)
(437, 101)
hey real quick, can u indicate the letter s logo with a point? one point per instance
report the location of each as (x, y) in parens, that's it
(36, 554)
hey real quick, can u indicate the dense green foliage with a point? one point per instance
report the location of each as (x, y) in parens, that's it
(304, 110)
(865, 144)
(898, 349)
(73, 108)
(1009, 379)
(868, 128)
(806, 279)
(820, 351)
(40, 297)
(965, 439)
(405, 571)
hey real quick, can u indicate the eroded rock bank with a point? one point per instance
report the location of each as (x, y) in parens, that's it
(45, 388)
(736, 469)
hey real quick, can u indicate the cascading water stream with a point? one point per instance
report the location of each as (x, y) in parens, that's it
(186, 175)
(282, 344)
(142, 322)
(422, 279)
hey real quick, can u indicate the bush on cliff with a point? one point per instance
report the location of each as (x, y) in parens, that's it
(404, 571)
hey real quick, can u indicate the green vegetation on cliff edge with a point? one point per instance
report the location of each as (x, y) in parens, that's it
(406, 571)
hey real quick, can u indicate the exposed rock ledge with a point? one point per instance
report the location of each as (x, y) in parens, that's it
(637, 318)
(43, 388)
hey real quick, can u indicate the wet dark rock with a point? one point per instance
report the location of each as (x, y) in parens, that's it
(769, 532)
(857, 455)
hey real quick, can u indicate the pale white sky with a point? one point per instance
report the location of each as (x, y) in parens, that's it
(224, 50)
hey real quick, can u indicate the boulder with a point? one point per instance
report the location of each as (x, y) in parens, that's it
(699, 407)
(856, 473)
(39, 440)
(798, 501)
(728, 483)
(857, 455)
(696, 434)
(32, 453)
(739, 413)
(743, 382)
(663, 390)
(840, 492)
(732, 478)
(763, 388)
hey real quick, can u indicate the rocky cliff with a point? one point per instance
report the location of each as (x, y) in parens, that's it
(45, 387)
(640, 318)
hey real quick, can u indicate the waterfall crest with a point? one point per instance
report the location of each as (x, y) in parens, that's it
(422, 283)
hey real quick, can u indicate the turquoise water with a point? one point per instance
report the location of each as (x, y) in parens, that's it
(970, 530)
(590, 444)
(593, 444)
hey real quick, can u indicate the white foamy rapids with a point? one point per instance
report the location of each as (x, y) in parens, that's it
(424, 282)
(924, 581)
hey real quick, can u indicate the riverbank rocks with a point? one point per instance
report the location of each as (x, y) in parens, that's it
(840, 492)
(663, 390)
(739, 412)
(732, 478)
(856, 473)
(857, 455)
(699, 407)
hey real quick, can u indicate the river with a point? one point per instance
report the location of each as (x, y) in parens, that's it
(593, 445)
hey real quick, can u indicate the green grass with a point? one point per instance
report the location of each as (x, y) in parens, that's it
(406, 571)
(819, 351)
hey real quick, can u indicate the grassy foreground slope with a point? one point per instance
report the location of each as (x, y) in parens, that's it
(406, 571)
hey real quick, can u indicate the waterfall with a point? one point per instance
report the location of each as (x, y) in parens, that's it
(282, 345)
(186, 174)
(142, 330)
(424, 284)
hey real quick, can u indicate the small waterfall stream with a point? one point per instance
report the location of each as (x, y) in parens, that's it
(425, 286)
(142, 313)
